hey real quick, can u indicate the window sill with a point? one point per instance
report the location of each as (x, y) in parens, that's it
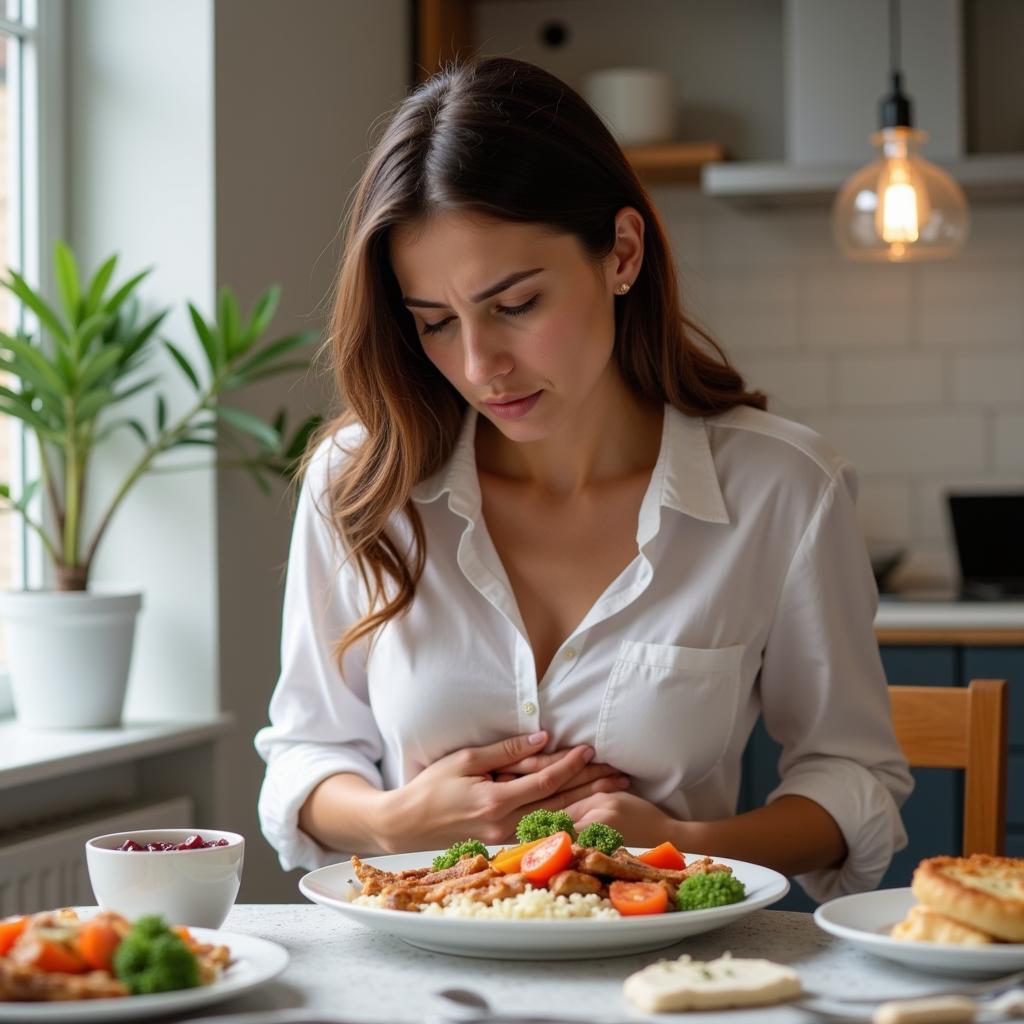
(32, 755)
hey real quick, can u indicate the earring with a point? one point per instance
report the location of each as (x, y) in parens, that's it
(622, 288)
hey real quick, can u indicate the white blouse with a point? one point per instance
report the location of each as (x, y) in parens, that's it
(751, 593)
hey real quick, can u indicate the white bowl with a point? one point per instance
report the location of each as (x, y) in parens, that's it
(190, 887)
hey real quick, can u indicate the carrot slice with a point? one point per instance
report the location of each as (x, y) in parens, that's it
(96, 943)
(510, 860)
(664, 856)
(630, 898)
(51, 957)
(10, 929)
(551, 855)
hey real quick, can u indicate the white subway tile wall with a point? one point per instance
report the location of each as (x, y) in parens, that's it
(915, 373)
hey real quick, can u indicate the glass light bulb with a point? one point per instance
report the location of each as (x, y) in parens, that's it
(901, 207)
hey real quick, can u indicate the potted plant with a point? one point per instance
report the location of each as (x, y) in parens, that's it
(69, 648)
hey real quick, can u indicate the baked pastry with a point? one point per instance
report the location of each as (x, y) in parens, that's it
(922, 924)
(981, 891)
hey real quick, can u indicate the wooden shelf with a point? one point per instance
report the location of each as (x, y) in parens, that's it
(444, 32)
(674, 161)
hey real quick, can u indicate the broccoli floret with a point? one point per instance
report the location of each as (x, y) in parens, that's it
(455, 853)
(601, 837)
(152, 958)
(715, 889)
(538, 824)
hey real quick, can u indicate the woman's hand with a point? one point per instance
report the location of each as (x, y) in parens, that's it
(640, 822)
(458, 796)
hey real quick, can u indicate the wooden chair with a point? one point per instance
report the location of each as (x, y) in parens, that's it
(957, 727)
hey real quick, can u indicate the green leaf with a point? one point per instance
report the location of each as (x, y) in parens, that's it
(263, 312)
(95, 366)
(235, 381)
(161, 413)
(99, 285)
(273, 350)
(88, 329)
(67, 281)
(27, 495)
(183, 363)
(5, 491)
(135, 388)
(92, 404)
(44, 313)
(249, 424)
(135, 425)
(30, 363)
(33, 419)
(114, 302)
(210, 345)
(144, 333)
(229, 322)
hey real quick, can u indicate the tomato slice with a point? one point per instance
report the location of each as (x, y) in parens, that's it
(510, 860)
(551, 855)
(664, 856)
(630, 898)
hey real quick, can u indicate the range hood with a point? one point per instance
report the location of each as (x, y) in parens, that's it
(835, 58)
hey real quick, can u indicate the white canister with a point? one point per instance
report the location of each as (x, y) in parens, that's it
(637, 104)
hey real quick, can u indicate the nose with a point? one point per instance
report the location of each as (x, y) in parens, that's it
(484, 356)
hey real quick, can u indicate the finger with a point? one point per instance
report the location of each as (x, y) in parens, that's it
(537, 762)
(578, 796)
(489, 758)
(592, 773)
(542, 784)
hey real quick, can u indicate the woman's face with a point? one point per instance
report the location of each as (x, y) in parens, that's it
(519, 320)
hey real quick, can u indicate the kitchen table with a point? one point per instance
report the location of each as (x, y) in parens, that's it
(341, 968)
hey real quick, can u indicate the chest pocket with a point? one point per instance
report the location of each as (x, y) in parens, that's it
(668, 712)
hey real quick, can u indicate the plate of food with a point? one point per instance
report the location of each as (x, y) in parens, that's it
(58, 966)
(550, 897)
(961, 915)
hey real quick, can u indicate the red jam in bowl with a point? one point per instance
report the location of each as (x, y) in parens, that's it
(195, 842)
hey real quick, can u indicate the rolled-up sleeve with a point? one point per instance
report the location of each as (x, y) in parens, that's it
(321, 721)
(824, 696)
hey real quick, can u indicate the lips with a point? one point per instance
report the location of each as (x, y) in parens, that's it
(513, 408)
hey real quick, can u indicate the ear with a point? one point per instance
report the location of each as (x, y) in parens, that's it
(623, 263)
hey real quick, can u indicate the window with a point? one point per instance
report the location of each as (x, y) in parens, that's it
(31, 129)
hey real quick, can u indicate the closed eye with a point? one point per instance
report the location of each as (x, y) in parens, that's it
(519, 310)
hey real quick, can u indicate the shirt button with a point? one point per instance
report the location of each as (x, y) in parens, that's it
(530, 708)
(569, 653)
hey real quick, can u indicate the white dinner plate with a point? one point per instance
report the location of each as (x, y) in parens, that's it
(254, 963)
(572, 939)
(866, 918)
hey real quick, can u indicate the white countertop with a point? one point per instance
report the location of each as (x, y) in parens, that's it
(345, 971)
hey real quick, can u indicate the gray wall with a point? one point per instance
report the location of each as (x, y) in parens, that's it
(298, 87)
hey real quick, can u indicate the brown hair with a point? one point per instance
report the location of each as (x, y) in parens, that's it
(506, 139)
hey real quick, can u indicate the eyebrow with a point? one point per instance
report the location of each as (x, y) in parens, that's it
(487, 293)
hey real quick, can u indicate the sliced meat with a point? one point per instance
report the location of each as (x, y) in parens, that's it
(408, 895)
(375, 881)
(466, 866)
(705, 866)
(567, 882)
(596, 863)
(501, 888)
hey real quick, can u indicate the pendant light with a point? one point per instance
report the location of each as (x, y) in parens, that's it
(901, 207)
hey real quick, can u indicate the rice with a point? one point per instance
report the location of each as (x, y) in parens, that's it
(534, 904)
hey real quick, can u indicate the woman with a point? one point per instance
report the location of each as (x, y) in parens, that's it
(556, 554)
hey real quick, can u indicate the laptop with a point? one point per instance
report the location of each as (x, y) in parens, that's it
(989, 534)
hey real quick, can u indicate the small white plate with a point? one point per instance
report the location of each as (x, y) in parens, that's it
(254, 963)
(866, 918)
(573, 939)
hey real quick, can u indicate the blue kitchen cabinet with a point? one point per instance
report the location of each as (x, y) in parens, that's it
(932, 813)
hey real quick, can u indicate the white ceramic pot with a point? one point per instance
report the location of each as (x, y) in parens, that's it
(69, 655)
(637, 104)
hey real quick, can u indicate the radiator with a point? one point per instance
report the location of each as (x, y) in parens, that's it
(45, 867)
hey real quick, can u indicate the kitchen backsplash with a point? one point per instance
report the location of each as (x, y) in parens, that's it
(915, 373)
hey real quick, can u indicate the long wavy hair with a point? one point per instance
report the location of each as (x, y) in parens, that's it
(506, 139)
